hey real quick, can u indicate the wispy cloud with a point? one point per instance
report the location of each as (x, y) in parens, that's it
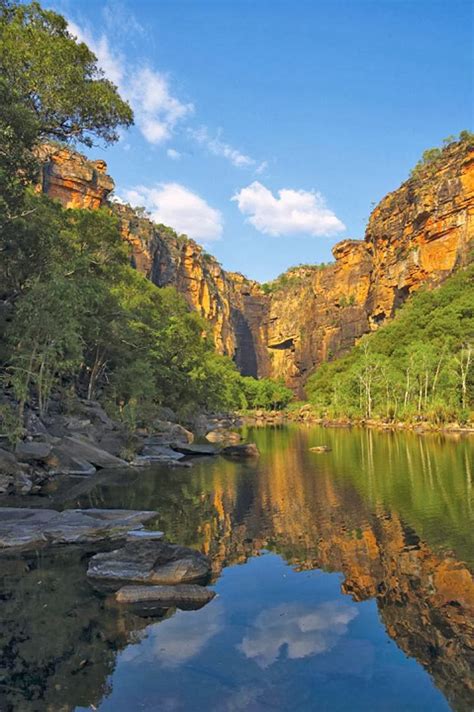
(173, 154)
(218, 147)
(157, 110)
(175, 205)
(291, 212)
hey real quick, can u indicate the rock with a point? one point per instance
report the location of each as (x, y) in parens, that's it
(9, 464)
(6, 482)
(60, 462)
(245, 450)
(148, 598)
(194, 449)
(151, 562)
(83, 450)
(320, 448)
(418, 234)
(161, 452)
(29, 528)
(30, 451)
(171, 432)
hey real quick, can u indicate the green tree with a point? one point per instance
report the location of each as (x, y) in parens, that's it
(57, 78)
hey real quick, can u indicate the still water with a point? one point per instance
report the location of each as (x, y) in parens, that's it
(344, 582)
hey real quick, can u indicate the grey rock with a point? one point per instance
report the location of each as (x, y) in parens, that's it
(151, 562)
(29, 528)
(33, 451)
(320, 448)
(194, 449)
(148, 598)
(161, 451)
(84, 450)
(62, 463)
(9, 464)
(242, 451)
(171, 432)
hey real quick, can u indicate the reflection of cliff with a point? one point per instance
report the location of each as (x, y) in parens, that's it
(418, 234)
(315, 519)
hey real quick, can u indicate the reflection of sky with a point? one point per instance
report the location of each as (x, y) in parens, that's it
(176, 640)
(302, 629)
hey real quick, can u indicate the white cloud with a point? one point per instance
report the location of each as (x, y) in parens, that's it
(156, 110)
(292, 212)
(175, 205)
(173, 154)
(301, 630)
(224, 150)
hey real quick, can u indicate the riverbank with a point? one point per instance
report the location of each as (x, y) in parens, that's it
(306, 414)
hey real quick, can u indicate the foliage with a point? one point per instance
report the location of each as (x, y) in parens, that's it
(432, 156)
(57, 78)
(265, 393)
(293, 277)
(420, 365)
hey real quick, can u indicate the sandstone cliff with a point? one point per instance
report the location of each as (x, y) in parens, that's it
(417, 235)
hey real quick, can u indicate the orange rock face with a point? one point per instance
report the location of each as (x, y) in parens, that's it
(417, 235)
(74, 180)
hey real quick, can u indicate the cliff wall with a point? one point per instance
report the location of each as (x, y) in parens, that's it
(417, 235)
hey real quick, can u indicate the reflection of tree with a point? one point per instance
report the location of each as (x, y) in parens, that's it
(58, 640)
(392, 512)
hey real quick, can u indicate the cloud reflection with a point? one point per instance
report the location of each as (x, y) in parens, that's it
(303, 630)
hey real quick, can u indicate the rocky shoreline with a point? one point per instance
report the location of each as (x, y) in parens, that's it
(307, 416)
(85, 439)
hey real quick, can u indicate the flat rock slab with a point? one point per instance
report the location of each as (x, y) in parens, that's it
(161, 452)
(83, 450)
(150, 562)
(32, 528)
(149, 598)
(237, 452)
(194, 449)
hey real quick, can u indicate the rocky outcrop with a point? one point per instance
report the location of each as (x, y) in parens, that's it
(417, 235)
(74, 180)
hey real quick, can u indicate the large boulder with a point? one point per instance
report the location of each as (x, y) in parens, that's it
(150, 562)
(242, 451)
(9, 464)
(61, 462)
(33, 451)
(84, 450)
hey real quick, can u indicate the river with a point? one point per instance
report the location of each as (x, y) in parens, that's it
(344, 581)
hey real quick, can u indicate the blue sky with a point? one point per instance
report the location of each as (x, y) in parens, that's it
(268, 129)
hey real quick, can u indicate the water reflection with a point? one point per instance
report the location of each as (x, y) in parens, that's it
(301, 630)
(392, 513)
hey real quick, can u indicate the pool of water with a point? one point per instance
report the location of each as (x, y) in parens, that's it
(344, 582)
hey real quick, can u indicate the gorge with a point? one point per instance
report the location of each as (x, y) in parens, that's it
(416, 236)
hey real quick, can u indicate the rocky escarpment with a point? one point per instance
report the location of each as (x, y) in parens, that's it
(417, 235)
